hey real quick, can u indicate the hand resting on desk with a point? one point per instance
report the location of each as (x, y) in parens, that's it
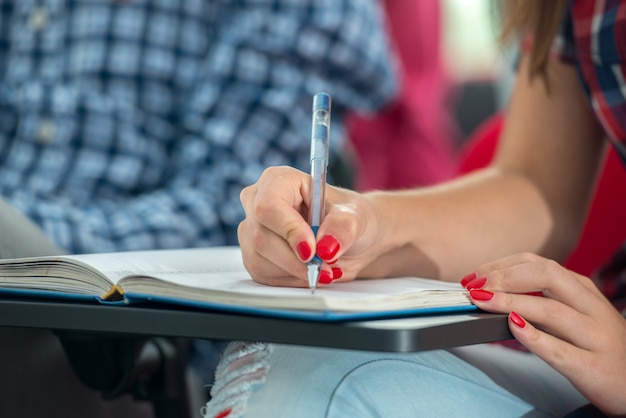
(573, 327)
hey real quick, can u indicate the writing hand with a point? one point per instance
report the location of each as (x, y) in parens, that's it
(276, 240)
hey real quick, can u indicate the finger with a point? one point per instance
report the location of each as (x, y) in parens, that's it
(591, 286)
(247, 197)
(279, 204)
(549, 315)
(505, 262)
(478, 278)
(588, 370)
(561, 355)
(268, 258)
(528, 273)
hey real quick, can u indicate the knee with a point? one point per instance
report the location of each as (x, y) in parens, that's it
(382, 387)
(399, 386)
(243, 367)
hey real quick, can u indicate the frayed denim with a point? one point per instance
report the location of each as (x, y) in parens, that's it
(268, 380)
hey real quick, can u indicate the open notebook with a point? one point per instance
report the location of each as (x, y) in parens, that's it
(215, 279)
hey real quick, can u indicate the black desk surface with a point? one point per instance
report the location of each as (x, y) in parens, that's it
(393, 335)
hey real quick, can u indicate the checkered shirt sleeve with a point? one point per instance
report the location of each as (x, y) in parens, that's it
(135, 124)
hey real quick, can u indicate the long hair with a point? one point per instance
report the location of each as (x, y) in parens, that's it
(538, 18)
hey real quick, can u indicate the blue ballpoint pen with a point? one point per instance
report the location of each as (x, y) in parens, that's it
(320, 141)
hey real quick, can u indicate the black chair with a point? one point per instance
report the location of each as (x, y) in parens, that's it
(149, 369)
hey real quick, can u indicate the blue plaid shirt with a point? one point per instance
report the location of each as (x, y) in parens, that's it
(135, 124)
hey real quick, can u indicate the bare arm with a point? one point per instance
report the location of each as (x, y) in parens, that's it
(534, 197)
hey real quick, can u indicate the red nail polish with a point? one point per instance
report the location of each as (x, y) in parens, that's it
(517, 320)
(480, 294)
(224, 413)
(327, 247)
(304, 250)
(337, 273)
(465, 280)
(476, 283)
(325, 277)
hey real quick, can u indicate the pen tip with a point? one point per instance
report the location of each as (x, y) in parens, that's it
(313, 273)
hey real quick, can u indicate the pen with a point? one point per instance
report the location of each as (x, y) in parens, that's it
(320, 139)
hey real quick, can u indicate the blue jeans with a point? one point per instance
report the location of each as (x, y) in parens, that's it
(269, 380)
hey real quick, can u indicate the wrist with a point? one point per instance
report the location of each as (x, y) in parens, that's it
(394, 251)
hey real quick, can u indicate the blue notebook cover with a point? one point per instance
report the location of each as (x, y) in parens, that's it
(214, 279)
(307, 315)
(54, 296)
(140, 299)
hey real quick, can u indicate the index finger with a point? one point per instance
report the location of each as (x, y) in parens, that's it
(529, 273)
(279, 204)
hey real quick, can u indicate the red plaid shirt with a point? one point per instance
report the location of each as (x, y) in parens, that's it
(593, 38)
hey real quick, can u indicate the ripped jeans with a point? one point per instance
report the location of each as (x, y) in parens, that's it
(270, 380)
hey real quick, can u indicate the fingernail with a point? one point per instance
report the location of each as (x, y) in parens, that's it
(327, 247)
(480, 294)
(465, 280)
(337, 273)
(304, 250)
(224, 413)
(517, 320)
(325, 277)
(476, 283)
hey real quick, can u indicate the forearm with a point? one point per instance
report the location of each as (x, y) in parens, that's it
(445, 231)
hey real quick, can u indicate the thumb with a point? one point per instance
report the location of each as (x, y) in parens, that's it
(339, 229)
